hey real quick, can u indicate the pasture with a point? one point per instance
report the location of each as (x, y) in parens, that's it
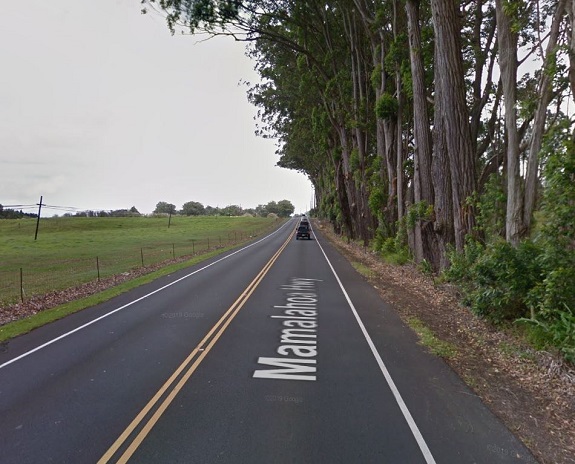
(70, 251)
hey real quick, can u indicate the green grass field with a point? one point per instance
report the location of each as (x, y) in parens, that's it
(70, 251)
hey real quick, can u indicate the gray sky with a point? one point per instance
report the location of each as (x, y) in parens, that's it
(101, 108)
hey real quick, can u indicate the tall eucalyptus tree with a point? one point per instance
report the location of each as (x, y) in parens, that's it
(454, 132)
(379, 29)
(426, 246)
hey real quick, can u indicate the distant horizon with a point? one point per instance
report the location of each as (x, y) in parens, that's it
(59, 211)
(95, 121)
(33, 208)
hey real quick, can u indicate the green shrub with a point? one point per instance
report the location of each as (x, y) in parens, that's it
(553, 298)
(491, 209)
(559, 333)
(506, 276)
(420, 211)
(380, 240)
(391, 249)
(497, 279)
(502, 283)
(386, 106)
(460, 270)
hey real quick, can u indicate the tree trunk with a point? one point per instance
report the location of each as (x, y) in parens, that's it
(545, 93)
(426, 244)
(350, 189)
(360, 95)
(399, 128)
(385, 129)
(507, 40)
(443, 207)
(571, 11)
(341, 191)
(485, 53)
(454, 113)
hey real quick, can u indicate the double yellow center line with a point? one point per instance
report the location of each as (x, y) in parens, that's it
(181, 375)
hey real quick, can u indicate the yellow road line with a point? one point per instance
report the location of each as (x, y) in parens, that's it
(203, 350)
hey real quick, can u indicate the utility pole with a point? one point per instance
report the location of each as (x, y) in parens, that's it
(38, 220)
(170, 217)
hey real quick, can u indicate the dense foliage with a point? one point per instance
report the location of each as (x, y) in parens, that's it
(433, 129)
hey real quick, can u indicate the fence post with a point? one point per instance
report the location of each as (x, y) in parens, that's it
(173, 250)
(193, 247)
(21, 286)
(98, 267)
(142, 255)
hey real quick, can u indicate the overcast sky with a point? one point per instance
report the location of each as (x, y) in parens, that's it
(101, 108)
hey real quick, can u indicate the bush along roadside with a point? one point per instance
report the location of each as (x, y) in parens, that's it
(533, 282)
(520, 284)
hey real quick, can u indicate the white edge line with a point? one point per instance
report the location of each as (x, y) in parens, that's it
(54, 340)
(409, 419)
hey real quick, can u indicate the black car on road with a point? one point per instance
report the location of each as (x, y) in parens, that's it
(303, 232)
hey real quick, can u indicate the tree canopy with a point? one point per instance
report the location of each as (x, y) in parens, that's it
(163, 207)
(424, 125)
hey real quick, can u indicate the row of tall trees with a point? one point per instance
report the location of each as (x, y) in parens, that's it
(439, 127)
(399, 111)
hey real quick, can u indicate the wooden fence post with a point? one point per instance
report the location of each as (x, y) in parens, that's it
(21, 286)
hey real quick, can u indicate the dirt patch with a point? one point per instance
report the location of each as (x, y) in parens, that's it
(532, 392)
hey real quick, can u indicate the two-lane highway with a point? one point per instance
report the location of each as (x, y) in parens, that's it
(278, 352)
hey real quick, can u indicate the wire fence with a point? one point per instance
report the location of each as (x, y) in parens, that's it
(20, 284)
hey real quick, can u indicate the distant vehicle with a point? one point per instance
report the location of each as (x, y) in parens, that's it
(303, 232)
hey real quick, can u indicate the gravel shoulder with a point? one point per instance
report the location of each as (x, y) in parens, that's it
(532, 392)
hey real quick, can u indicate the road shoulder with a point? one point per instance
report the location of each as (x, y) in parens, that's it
(531, 392)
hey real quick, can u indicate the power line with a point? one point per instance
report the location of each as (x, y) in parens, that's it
(72, 209)
(63, 208)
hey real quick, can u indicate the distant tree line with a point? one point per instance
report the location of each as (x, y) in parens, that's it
(106, 213)
(283, 208)
(7, 213)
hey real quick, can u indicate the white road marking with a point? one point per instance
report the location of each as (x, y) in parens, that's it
(77, 329)
(405, 411)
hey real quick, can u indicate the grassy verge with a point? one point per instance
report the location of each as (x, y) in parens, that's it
(427, 338)
(72, 251)
(362, 269)
(23, 326)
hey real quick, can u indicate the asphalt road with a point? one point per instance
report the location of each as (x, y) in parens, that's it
(278, 352)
